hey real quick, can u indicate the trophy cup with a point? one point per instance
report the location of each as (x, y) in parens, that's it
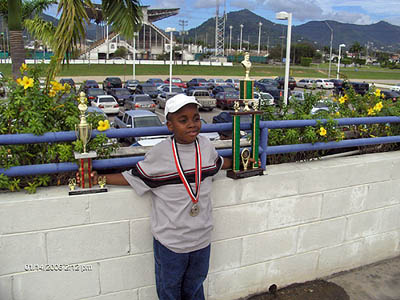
(240, 159)
(83, 132)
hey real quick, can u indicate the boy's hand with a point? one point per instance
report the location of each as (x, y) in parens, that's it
(93, 175)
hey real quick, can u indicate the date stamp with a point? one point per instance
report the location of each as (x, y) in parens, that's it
(59, 267)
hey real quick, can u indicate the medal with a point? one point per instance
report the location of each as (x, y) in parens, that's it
(194, 196)
(194, 211)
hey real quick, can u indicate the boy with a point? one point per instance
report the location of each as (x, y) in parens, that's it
(178, 171)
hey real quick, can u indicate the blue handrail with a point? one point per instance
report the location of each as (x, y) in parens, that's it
(51, 137)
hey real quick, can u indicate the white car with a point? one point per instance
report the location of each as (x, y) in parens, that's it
(217, 81)
(233, 82)
(324, 84)
(395, 88)
(306, 83)
(106, 103)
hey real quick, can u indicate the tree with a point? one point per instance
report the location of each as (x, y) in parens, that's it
(356, 48)
(121, 52)
(124, 15)
(16, 11)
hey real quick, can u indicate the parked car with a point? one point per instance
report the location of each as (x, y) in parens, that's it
(131, 84)
(359, 87)
(147, 88)
(204, 98)
(155, 81)
(197, 82)
(297, 96)
(233, 82)
(266, 99)
(226, 100)
(140, 101)
(163, 98)
(337, 83)
(306, 83)
(281, 82)
(190, 89)
(88, 84)
(176, 81)
(121, 95)
(223, 89)
(69, 81)
(174, 89)
(106, 103)
(395, 88)
(165, 95)
(268, 81)
(390, 95)
(275, 92)
(226, 117)
(92, 93)
(324, 84)
(111, 83)
(214, 82)
(138, 119)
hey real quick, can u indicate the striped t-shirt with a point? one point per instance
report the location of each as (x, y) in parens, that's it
(171, 222)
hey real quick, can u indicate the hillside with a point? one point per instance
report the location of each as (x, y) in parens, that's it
(383, 35)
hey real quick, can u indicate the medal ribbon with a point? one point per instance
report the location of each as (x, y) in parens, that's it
(193, 195)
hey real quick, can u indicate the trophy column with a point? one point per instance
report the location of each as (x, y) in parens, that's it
(241, 158)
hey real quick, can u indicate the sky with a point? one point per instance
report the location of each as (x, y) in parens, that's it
(360, 12)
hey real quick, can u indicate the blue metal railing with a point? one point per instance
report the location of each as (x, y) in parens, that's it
(51, 137)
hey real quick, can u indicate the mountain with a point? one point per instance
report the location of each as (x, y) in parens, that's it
(381, 35)
(94, 32)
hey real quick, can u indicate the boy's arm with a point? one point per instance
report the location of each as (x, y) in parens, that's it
(227, 163)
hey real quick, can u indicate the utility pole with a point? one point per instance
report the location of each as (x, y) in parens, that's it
(183, 23)
(330, 51)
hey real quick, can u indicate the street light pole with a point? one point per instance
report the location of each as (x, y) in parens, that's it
(286, 16)
(259, 37)
(241, 35)
(170, 30)
(230, 39)
(338, 65)
(134, 56)
(330, 51)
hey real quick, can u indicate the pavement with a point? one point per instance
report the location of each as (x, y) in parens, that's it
(379, 281)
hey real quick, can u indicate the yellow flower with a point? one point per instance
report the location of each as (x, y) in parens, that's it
(322, 131)
(52, 93)
(377, 93)
(57, 86)
(337, 114)
(342, 135)
(23, 67)
(345, 97)
(378, 106)
(103, 125)
(371, 111)
(26, 82)
(342, 100)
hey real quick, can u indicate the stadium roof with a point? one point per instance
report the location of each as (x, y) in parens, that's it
(154, 14)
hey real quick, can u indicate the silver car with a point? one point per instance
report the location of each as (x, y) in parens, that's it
(140, 101)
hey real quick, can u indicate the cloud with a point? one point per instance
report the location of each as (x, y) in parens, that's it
(250, 5)
(348, 17)
(302, 9)
(168, 3)
(207, 3)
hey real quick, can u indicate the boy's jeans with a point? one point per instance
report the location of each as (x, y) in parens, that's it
(180, 276)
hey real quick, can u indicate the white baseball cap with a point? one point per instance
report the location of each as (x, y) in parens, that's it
(178, 101)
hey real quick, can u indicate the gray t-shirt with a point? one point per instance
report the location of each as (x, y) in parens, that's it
(171, 223)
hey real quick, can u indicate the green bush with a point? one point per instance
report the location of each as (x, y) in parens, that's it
(306, 61)
(29, 108)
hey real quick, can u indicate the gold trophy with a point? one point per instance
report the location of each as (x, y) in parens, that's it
(241, 167)
(83, 132)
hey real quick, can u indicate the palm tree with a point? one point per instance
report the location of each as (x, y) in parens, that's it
(125, 16)
(16, 11)
(356, 48)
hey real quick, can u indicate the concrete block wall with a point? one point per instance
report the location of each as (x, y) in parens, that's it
(299, 222)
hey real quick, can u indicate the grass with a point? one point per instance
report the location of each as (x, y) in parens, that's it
(258, 70)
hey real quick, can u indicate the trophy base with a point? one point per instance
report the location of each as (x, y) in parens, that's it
(244, 174)
(94, 190)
